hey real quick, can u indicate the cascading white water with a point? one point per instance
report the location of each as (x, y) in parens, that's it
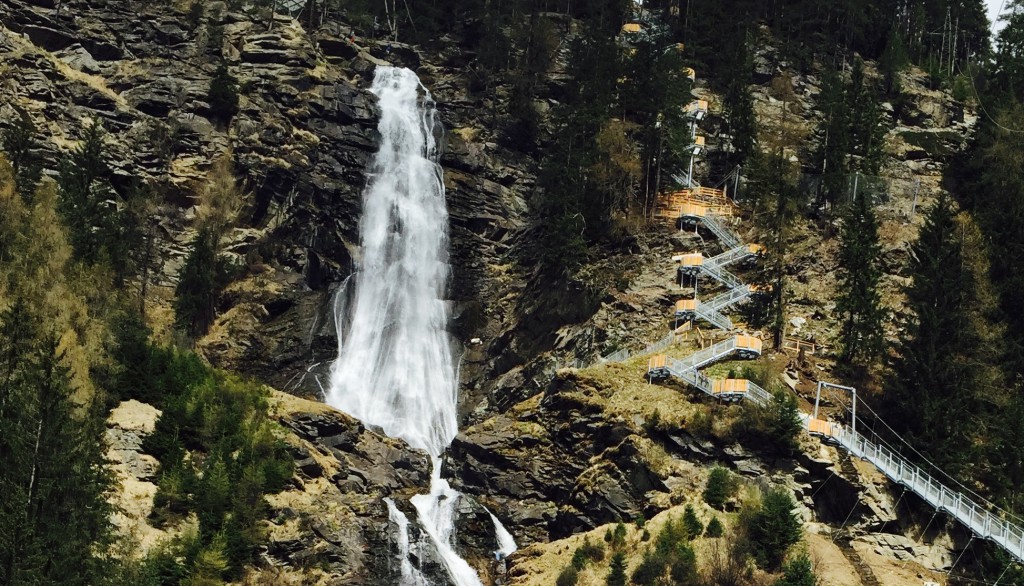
(395, 368)
(410, 575)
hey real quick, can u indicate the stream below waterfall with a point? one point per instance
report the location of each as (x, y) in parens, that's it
(396, 368)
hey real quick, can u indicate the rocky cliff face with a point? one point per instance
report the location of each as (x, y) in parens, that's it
(300, 143)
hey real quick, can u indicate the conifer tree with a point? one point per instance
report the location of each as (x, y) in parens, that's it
(617, 570)
(774, 528)
(19, 142)
(198, 285)
(797, 572)
(937, 367)
(223, 94)
(54, 517)
(84, 194)
(859, 302)
(834, 137)
(892, 61)
(738, 102)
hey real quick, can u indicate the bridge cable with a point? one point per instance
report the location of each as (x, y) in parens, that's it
(929, 524)
(968, 546)
(843, 526)
(996, 583)
(823, 484)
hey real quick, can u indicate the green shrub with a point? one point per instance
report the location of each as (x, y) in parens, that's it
(714, 528)
(701, 424)
(568, 576)
(719, 488)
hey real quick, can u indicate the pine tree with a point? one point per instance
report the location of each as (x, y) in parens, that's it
(797, 572)
(19, 142)
(892, 62)
(198, 285)
(834, 137)
(54, 518)
(859, 302)
(719, 487)
(774, 528)
(617, 570)
(223, 94)
(738, 102)
(936, 376)
(691, 523)
(85, 194)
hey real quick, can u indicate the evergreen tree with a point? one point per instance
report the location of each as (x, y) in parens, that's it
(691, 523)
(223, 93)
(102, 227)
(774, 528)
(859, 302)
(797, 572)
(85, 195)
(714, 528)
(617, 570)
(834, 137)
(719, 487)
(777, 201)
(892, 61)
(737, 100)
(199, 284)
(936, 376)
(19, 142)
(54, 517)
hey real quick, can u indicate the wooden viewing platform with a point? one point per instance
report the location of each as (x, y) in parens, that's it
(730, 389)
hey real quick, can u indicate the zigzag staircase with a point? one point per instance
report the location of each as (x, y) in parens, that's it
(710, 207)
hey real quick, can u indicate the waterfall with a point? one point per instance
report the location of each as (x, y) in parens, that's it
(395, 368)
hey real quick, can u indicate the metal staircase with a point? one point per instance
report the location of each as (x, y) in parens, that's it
(716, 272)
(985, 522)
(712, 316)
(734, 254)
(721, 231)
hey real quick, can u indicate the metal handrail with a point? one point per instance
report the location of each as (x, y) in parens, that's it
(728, 298)
(712, 316)
(724, 234)
(703, 357)
(721, 275)
(979, 520)
(734, 254)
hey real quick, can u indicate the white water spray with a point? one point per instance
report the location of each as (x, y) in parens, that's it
(395, 367)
